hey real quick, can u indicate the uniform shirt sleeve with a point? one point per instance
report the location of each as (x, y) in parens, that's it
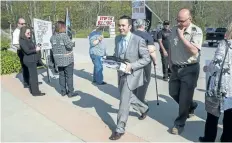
(197, 38)
(159, 36)
(149, 40)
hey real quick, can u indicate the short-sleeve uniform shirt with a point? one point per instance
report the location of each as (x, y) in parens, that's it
(164, 35)
(179, 53)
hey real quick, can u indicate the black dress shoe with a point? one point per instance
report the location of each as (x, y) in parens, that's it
(165, 78)
(103, 83)
(72, 94)
(144, 115)
(202, 139)
(63, 93)
(116, 136)
(39, 94)
(40, 83)
(26, 86)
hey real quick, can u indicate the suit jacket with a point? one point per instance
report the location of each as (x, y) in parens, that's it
(138, 55)
(29, 50)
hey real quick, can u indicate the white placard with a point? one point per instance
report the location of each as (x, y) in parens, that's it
(138, 9)
(105, 21)
(112, 26)
(43, 33)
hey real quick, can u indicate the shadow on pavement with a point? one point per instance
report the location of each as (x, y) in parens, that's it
(166, 112)
(107, 88)
(102, 108)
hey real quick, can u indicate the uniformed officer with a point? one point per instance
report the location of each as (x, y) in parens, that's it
(163, 41)
(185, 40)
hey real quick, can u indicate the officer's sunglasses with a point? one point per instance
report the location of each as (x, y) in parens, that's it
(182, 21)
(22, 23)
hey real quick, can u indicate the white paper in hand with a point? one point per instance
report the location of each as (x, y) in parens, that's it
(123, 68)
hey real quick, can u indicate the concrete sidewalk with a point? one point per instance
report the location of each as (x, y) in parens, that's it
(92, 115)
(20, 122)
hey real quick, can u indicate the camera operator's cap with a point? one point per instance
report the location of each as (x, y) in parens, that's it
(166, 22)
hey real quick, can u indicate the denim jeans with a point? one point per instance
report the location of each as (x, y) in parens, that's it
(98, 68)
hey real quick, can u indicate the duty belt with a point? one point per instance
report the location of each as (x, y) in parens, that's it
(186, 65)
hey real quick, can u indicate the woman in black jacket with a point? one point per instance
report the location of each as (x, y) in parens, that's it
(30, 59)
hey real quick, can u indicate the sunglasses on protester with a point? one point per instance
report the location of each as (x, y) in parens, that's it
(22, 23)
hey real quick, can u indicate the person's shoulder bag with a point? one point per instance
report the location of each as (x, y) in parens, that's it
(213, 102)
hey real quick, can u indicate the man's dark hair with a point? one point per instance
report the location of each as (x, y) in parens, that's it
(128, 18)
(166, 22)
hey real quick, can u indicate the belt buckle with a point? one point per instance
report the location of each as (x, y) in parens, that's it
(182, 66)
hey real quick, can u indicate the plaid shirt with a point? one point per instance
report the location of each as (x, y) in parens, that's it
(62, 48)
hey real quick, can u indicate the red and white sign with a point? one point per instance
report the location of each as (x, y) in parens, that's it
(105, 20)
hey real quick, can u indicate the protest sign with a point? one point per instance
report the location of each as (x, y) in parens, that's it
(43, 33)
(105, 20)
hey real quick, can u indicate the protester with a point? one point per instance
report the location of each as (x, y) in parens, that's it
(30, 59)
(97, 51)
(62, 50)
(219, 68)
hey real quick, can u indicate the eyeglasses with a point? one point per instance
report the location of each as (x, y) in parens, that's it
(22, 23)
(182, 21)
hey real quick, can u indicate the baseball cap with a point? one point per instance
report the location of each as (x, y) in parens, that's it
(166, 22)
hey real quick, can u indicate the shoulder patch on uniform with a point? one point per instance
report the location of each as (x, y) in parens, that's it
(196, 30)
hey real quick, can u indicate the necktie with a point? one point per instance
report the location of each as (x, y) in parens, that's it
(123, 46)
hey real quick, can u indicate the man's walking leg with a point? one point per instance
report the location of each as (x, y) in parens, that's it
(187, 87)
(174, 86)
(166, 73)
(164, 61)
(124, 107)
(123, 111)
(141, 92)
(139, 106)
